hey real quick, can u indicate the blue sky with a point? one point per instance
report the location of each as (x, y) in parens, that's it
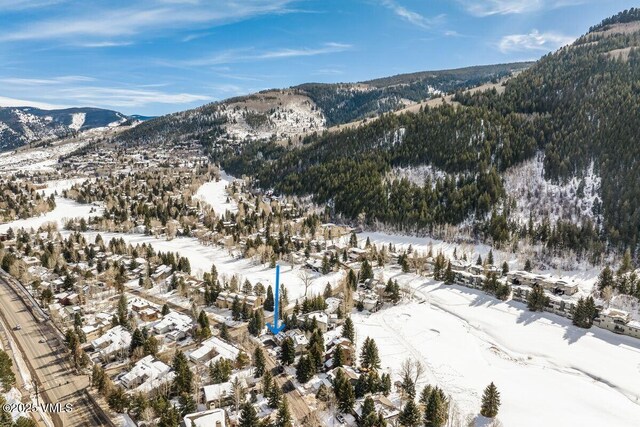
(158, 56)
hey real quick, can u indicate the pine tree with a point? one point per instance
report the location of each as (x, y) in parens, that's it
(408, 386)
(287, 351)
(353, 240)
(283, 417)
(448, 275)
(165, 310)
(369, 358)
(275, 395)
(347, 397)
(184, 376)
(224, 331)
(437, 410)
(410, 415)
(627, 264)
(137, 340)
(490, 401)
(368, 416)
(269, 301)
(425, 395)
(326, 268)
(605, 278)
(527, 266)
(366, 272)
(385, 384)
(490, 257)
(537, 299)
(305, 369)
(258, 362)
(348, 330)
(352, 279)
(505, 268)
(248, 416)
(479, 260)
(338, 357)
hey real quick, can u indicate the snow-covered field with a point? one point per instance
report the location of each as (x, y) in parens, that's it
(215, 194)
(65, 209)
(201, 258)
(59, 185)
(549, 372)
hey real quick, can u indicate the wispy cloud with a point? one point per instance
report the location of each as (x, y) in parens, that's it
(506, 7)
(103, 44)
(143, 18)
(86, 91)
(534, 41)
(8, 5)
(328, 72)
(14, 102)
(410, 16)
(125, 97)
(251, 55)
(42, 82)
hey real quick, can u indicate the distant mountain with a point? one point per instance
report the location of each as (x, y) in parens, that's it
(23, 125)
(346, 102)
(291, 114)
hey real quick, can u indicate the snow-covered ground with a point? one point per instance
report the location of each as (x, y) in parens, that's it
(77, 120)
(201, 257)
(417, 174)
(548, 371)
(215, 194)
(40, 159)
(59, 185)
(284, 114)
(525, 183)
(585, 275)
(65, 209)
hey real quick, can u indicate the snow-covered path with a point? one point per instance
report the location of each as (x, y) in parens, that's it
(548, 371)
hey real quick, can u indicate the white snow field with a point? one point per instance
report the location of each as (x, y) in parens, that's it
(549, 372)
(201, 257)
(65, 209)
(215, 194)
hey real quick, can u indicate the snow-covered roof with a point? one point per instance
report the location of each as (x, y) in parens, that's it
(211, 418)
(113, 340)
(147, 374)
(222, 348)
(173, 321)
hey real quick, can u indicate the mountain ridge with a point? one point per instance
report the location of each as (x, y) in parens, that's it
(24, 124)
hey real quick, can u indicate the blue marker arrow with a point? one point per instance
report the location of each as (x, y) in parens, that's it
(275, 328)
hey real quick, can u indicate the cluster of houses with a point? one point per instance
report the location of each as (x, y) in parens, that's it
(562, 295)
(103, 160)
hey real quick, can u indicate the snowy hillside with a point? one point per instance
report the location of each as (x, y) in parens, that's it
(22, 125)
(573, 201)
(279, 114)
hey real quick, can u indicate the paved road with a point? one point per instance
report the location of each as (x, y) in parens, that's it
(49, 363)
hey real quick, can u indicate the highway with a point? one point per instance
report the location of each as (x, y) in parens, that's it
(48, 362)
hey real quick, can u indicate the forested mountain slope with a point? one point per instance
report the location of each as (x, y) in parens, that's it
(576, 109)
(346, 102)
(22, 125)
(289, 114)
